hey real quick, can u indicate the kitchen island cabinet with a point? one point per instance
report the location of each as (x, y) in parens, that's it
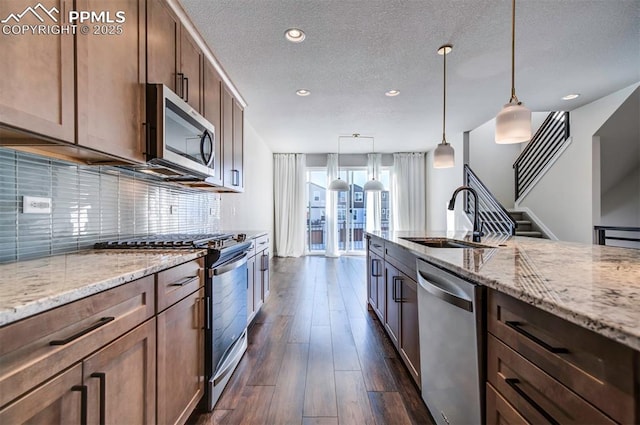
(555, 350)
(393, 296)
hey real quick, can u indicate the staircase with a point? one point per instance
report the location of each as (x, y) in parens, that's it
(524, 226)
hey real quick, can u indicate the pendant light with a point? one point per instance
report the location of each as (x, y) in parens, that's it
(373, 185)
(513, 122)
(339, 185)
(443, 156)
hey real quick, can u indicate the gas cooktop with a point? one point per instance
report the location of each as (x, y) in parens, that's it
(173, 240)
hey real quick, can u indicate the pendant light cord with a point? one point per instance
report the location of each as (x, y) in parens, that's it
(513, 53)
(444, 96)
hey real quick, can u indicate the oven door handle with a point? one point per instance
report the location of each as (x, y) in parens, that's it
(234, 264)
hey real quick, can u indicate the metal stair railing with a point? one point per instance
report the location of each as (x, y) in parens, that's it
(494, 217)
(548, 140)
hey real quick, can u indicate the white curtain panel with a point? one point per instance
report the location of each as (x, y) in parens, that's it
(374, 199)
(331, 208)
(408, 191)
(290, 201)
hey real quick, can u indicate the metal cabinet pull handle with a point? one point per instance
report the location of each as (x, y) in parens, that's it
(103, 391)
(397, 298)
(377, 245)
(184, 281)
(207, 313)
(516, 326)
(180, 84)
(83, 402)
(513, 383)
(235, 176)
(187, 91)
(85, 331)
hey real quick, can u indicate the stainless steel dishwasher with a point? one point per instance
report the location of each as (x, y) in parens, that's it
(450, 313)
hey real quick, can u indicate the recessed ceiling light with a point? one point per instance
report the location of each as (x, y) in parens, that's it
(392, 93)
(303, 92)
(295, 35)
(571, 96)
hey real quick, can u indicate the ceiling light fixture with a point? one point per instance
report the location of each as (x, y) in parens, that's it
(392, 93)
(513, 122)
(443, 156)
(571, 96)
(295, 35)
(303, 92)
(339, 185)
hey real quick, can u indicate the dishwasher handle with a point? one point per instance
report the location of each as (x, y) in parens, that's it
(438, 289)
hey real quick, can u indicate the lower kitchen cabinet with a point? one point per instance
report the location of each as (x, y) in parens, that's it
(60, 401)
(260, 263)
(106, 358)
(376, 284)
(121, 379)
(180, 359)
(251, 272)
(393, 296)
(392, 303)
(401, 319)
(548, 370)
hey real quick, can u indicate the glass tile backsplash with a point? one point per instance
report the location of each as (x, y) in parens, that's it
(91, 204)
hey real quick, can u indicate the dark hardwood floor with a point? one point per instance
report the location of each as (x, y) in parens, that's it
(317, 356)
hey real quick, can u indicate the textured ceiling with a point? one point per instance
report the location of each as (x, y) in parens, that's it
(356, 50)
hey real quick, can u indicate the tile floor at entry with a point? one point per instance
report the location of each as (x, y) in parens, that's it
(317, 356)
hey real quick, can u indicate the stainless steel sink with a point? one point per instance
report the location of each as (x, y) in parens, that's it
(445, 243)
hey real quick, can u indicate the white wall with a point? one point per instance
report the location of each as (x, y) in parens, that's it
(619, 171)
(563, 198)
(620, 205)
(493, 163)
(253, 209)
(441, 183)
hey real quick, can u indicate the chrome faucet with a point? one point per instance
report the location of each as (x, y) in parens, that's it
(477, 226)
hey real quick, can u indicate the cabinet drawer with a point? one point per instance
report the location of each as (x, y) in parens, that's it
(175, 283)
(376, 245)
(499, 411)
(591, 365)
(38, 347)
(536, 395)
(261, 243)
(402, 259)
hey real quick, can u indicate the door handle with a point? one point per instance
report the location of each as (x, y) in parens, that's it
(103, 387)
(428, 283)
(206, 137)
(83, 402)
(516, 326)
(513, 383)
(180, 83)
(397, 298)
(85, 331)
(235, 177)
(187, 90)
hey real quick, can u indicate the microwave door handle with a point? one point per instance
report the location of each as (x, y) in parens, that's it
(206, 137)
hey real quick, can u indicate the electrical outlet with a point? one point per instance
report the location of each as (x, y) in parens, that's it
(36, 205)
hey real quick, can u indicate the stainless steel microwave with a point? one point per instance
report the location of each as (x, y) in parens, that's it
(180, 142)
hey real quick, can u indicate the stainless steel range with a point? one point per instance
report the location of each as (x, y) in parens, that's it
(226, 281)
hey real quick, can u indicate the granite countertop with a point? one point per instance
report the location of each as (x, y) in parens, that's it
(33, 286)
(596, 287)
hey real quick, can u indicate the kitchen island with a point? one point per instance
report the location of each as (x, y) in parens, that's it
(559, 339)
